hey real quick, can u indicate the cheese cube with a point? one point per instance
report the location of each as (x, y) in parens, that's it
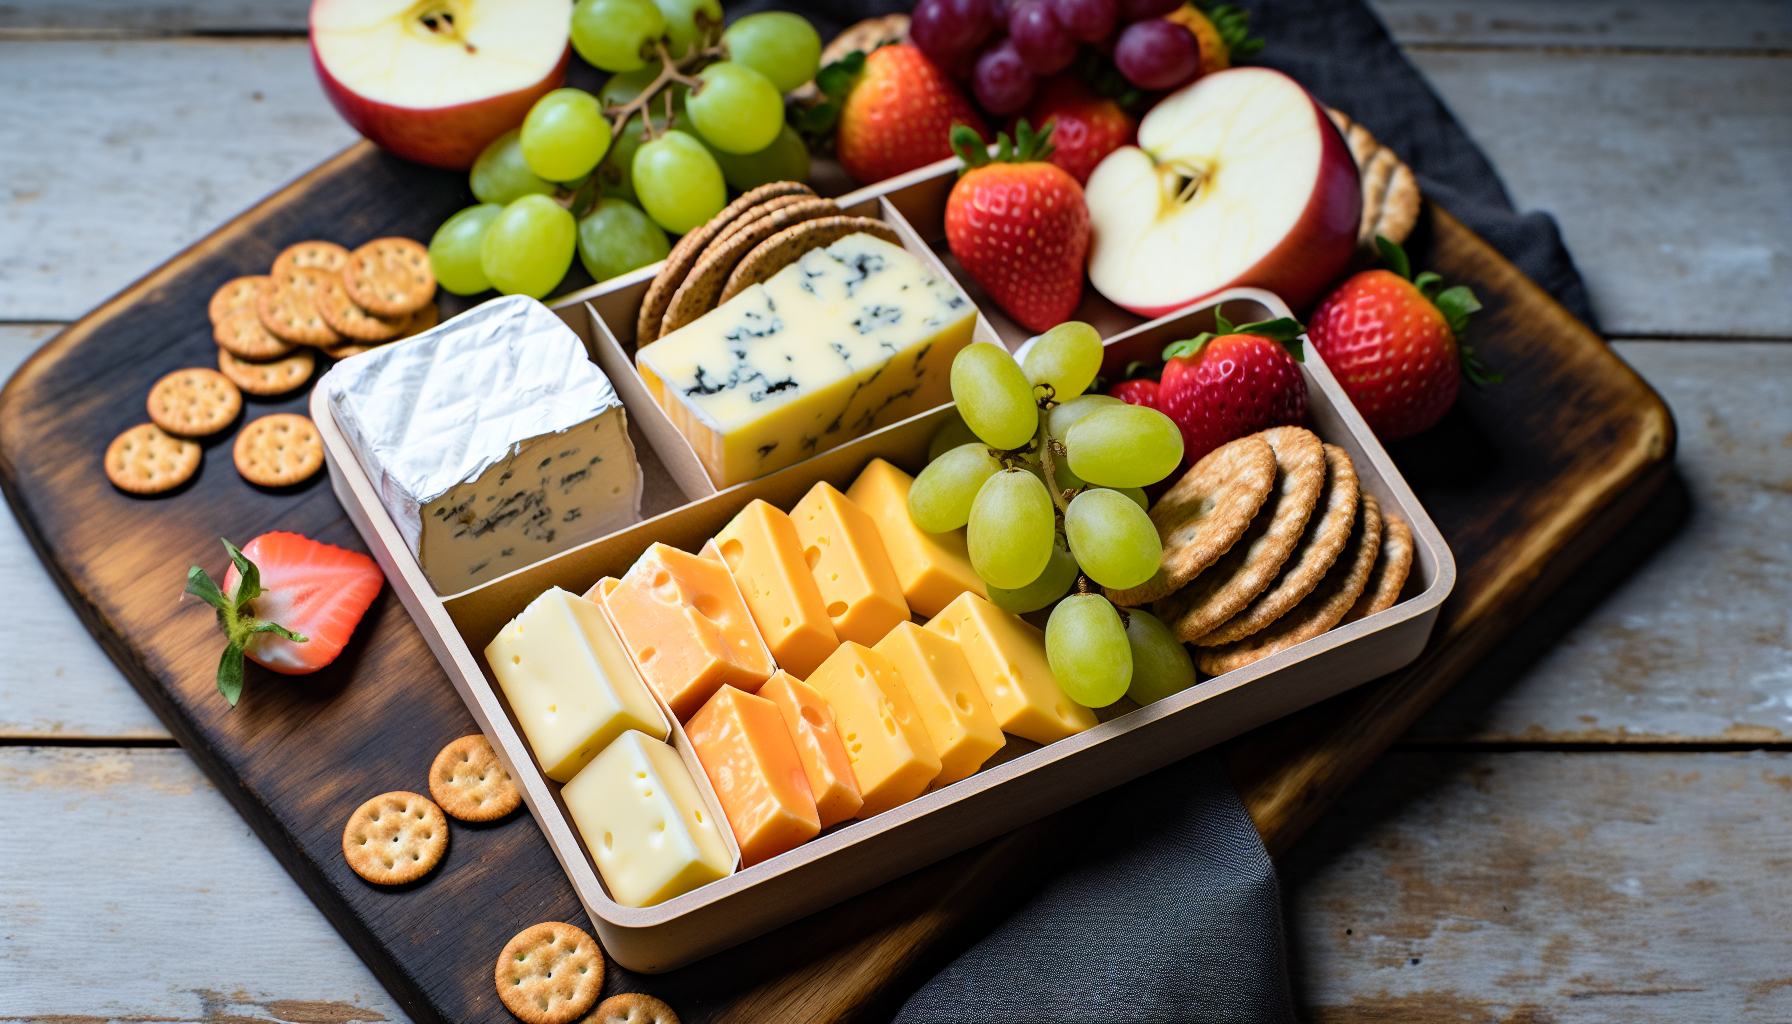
(933, 568)
(892, 758)
(683, 622)
(570, 683)
(761, 548)
(645, 822)
(758, 777)
(847, 339)
(1007, 656)
(817, 737)
(847, 559)
(945, 693)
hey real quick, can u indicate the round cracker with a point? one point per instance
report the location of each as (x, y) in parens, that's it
(702, 286)
(1203, 515)
(348, 348)
(278, 450)
(420, 321)
(237, 293)
(389, 277)
(1327, 530)
(469, 782)
(789, 245)
(753, 216)
(289, 307)
(395, 838)
(1249, 566)
(270, 378)
(144, 460)
(1392, 565)
(549, 973)
(350, 320)
(1318, 611)
(243, 334)
(194, 402)
(632, 1008)
(326, 256)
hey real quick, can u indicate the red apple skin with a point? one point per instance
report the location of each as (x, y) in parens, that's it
(450, 137)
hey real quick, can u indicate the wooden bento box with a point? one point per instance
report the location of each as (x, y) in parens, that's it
(1019, 784)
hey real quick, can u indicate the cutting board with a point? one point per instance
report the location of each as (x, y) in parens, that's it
(1525, 480)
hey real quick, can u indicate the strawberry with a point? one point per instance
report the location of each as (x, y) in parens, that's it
(1141, 391)
(1393, 343)
(897, 113)
(1231, 383)
(278, 584)
(1086, 127)
(1019, 225)
(1222, 32)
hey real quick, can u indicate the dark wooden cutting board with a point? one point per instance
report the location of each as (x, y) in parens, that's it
(1525, 481)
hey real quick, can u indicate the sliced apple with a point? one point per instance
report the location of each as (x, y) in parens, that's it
(436, 80)
(1238, 179)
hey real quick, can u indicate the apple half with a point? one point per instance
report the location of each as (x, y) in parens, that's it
(435, 81)
(1238, 179)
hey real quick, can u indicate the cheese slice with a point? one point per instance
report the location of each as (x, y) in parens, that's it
(683, 622)
(847, 559)
(761, 548)
(758, 777)
(570, 683)
(810, 722)
(845, 340)
(933, 568)
(645, 822)
(1007, 655)
(892, 757)
(946, 696)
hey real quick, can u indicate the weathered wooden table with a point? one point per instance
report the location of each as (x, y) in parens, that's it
(1593, 826)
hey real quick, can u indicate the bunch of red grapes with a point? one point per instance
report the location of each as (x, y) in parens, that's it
(1004, 47)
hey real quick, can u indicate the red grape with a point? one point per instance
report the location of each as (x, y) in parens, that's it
(1157, 54)
(1139, 10)
(950, 30)
(1002, 82)
(1088, 20)
(1039, 39)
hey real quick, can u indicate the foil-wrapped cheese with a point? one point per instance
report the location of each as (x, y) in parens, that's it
(493, 440)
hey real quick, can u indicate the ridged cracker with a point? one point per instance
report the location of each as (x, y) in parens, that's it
(275, 377)
(1391, 198)
(570, 956)
(1318, 611)
(1249, 566)
(469, 782)
(1203, 514)
(1326, 532)
(765, 209)
(144, 460)
(319, 255)
(698, 294)
(389, 277)
(632, 1008)
(243, 334)
(1392, 565)
(789, 245)
(236, 293)
(194, 402)
(395, 838)
(278, 450)
(348, 319)
(690, 248)
(289, 307)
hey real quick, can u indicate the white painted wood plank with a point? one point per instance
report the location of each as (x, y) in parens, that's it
(164, 16)
(1670, 24)
(1549, 887)
(129, 863)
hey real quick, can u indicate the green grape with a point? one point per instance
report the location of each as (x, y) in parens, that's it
(786, 159)
(565, 135)
(1067, 357)
(682, 22)
(951, 434)
(616, 237)
(529, 246)
(615, 175)
(616, 35)
(1124, 446)
(736, 109)
(941, 497)
(1087, 648)
(1137, 494)
(1010, 529)
(1053, 583)
(678, 182)
(782, 46)
(1059, 417)
(502, 176)
(1161, 666)
(993, 396)
(1112, 538)
(454, 251)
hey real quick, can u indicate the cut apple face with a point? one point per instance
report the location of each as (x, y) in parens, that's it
(1238, 179)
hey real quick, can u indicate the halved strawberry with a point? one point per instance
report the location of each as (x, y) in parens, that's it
(278, 585)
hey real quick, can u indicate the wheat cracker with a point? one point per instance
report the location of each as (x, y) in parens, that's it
(194, 402)
(469, 782)
(389, 277)
(279, 450)
(631, 1008)
(785, 247)
(275, 377)
(348, 319)
(685, 253)
(244, 335)
(753, 216)
(550, 973)
(289, 307)
(702, 286)
(234, 294)
(318, 255)
(395, 838)
(1392, 565)
(145, 460)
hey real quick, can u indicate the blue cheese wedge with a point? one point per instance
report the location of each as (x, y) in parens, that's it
(847, 339)
(493, 440)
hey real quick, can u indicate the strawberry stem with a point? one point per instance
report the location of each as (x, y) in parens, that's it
(1284, 331)
(235, 617)
(1026, 147)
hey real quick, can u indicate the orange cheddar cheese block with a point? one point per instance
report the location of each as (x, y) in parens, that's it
(753, 765)
(933, 568)
(892, 758)
(687, 629)
(862, 595)
(945, 693)
(760, 547)
(1007, 656)
(817, 738)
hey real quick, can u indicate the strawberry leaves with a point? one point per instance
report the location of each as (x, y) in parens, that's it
(1454, 303)
(834, 82)
(1234, 26)
(235, 618)
(1284, 331)
(1027, 146)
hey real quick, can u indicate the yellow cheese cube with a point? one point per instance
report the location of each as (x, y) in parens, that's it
(1007, 656)
(760, 547)
(946, 695)
(847, 558)
(933, 568)
(892, 758)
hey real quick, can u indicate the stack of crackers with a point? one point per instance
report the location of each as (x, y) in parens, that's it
(1269, 541)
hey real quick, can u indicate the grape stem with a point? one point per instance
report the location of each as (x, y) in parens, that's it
(670, 71)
